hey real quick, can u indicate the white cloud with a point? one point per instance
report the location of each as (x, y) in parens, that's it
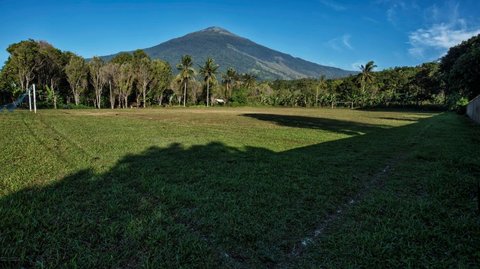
(397, 10)
(369, 19)
(333, 5)
(346, 41)
(438, 38)
(341, 43)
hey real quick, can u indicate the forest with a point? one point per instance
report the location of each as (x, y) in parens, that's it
(66, 80)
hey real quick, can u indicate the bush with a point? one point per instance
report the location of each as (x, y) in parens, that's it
(239, 97)
(457, 103)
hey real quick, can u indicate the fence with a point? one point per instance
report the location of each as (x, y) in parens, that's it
(473, 109)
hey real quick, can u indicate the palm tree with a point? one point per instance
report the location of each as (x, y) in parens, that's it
(249, 80)
(366, 75)
(228, 79)
(186, 73)
(320, 86)
(208, 72)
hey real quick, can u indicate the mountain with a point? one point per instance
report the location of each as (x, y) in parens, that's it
(230, 50)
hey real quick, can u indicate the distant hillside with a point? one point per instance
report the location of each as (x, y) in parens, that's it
(230, 50)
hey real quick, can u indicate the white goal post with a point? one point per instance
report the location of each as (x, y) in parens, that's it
(34, 99)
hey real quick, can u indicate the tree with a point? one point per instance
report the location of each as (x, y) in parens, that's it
(460, 68)
(321, 85)
(249, 80)
(366, 77)
(124, 81)
(208, 71)
(141, 67)
(122, 57)
(144, 77)
(162, 77)
(427, 81)
(229, 79)
(8, 83)
(186, 74)
(25, 61)
(77, 73)
(52, 70)
(108, 72)
(97, 79)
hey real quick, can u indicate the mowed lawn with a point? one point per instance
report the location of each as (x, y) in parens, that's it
(239, 188)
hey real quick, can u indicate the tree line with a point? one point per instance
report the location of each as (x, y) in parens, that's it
(134, 79)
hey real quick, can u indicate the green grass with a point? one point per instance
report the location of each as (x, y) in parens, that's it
(243, 187)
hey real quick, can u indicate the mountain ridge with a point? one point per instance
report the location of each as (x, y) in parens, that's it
(231, 50)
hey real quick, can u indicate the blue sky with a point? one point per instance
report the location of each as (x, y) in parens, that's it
(338, 33)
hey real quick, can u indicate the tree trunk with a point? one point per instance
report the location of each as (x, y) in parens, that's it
(184, 93)
(226, 91)
(99, 100)
(54, 95)
(208, 92)
(126, 101)
(144, 96)
(161, 99)
(76, 97)
(112, 98)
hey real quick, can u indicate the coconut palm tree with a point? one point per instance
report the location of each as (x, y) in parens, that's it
(249, 80)
(208, 72)
(229, 79)
(366, 76)
(186, 74)
(322, 84)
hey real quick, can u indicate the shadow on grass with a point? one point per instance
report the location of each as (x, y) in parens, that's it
(399, 119)
(203, 206)
(332, 125)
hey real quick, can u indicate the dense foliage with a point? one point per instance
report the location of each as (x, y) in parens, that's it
(461, 68)
(133, 80)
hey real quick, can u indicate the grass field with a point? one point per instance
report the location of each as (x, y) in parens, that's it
(240, 188)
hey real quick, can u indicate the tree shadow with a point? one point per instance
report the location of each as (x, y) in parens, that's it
(399, 119)
(203, 206)
(332, 125)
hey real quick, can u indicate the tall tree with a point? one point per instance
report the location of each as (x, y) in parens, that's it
(427, 81)
(144, 77)
(124, 81)
(366, 77)
(186, 74)
(52, 70)
(460, 68)
(77, 73)
(8, 82)
(122, 57)
(229, 79)
(140, 64)
(321, 85)
(25, 61)
(209, 71)
(97, 79)
(162, 77)
(107, 73)
(249, 80)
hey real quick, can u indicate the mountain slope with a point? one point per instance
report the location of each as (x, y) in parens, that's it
(230, 50)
